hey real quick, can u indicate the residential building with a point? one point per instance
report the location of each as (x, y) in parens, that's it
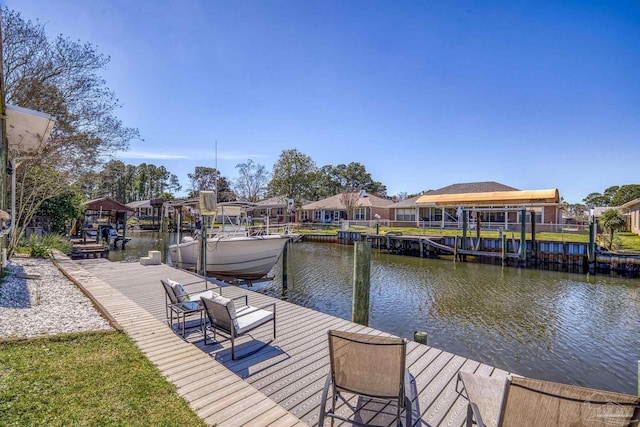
(363, 207)
(495, 205)
(632, 211)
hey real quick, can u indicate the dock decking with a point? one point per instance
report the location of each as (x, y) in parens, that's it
(279, 385)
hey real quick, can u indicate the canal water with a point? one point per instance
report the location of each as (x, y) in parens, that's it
(569, 328)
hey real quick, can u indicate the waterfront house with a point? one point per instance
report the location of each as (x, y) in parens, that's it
(142, 208)
(494, 204)
(408, 213)
(363, 207)
(105, 210)
(276, 209)
(632, 211)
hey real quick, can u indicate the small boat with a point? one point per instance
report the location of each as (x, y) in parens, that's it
(235, 250)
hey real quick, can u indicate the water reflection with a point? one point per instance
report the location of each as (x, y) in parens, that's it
(557, 326)
(140, 244)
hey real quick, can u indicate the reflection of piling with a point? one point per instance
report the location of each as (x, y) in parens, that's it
(285, 278)
(361, 282)
(503, 237)
(455, 248)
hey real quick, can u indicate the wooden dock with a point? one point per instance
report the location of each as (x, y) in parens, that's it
(279, 385)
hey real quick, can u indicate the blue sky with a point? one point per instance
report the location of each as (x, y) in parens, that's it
(532, 94)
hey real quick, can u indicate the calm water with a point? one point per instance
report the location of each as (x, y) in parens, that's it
(557, 326)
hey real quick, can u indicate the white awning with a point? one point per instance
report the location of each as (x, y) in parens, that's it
(27, 129)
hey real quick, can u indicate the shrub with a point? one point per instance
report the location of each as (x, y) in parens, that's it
(41, 247)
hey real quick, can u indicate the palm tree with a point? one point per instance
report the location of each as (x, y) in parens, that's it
(612, 221)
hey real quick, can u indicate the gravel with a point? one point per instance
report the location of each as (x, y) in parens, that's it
(36, 299)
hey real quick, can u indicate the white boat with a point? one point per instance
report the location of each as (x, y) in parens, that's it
(234, 251)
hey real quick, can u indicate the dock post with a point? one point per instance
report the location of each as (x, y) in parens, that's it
(465, 224)
(420, 337)
(124, 230)
(534, 246)
(361, 282)
(523, 236)
(464, 229)
(591, 250)
(421, 248)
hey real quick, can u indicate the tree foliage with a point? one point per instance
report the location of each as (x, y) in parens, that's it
(611, 221)
(59, 77)
(296, 176)
(293, 176)
(251, 184)
(35, 185)
(614, 195)
(354, 177)
(205, 178)
(626, 193)
(62, 208)
(128, 183)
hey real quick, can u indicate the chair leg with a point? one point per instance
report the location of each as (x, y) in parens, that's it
(233, 348)
(323, 402)
(409, 414)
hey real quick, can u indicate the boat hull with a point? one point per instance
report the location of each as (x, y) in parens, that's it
(245, 257)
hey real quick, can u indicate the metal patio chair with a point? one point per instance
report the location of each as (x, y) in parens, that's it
(527, 402)
(238, 320)
(370, 366)
(183, 304)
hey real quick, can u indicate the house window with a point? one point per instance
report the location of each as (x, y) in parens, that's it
(405, 214)
(528, 217)
(360, 214)
(280, 211)
(317, 215)
(304, 216)
(336, 215)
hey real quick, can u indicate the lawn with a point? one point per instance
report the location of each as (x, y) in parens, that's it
(86, 379)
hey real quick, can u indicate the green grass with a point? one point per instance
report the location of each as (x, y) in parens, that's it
(86, 380)
(630, 241)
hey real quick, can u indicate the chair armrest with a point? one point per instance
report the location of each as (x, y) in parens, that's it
(183, 306)
(219, 289)
(246, 299)
(254, 309)
(206, 285)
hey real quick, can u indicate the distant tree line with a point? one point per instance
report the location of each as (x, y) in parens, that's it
(294, 176)
(613, 196)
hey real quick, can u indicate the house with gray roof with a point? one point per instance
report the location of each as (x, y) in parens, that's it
(356, 206)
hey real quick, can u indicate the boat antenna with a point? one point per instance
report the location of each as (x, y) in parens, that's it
(215, 182)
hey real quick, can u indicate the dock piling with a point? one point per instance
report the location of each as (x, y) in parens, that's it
(361, 282)
(420, 337)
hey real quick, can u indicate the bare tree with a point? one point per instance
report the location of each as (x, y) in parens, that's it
(59, 77)
(350, 201)
(251, 185)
